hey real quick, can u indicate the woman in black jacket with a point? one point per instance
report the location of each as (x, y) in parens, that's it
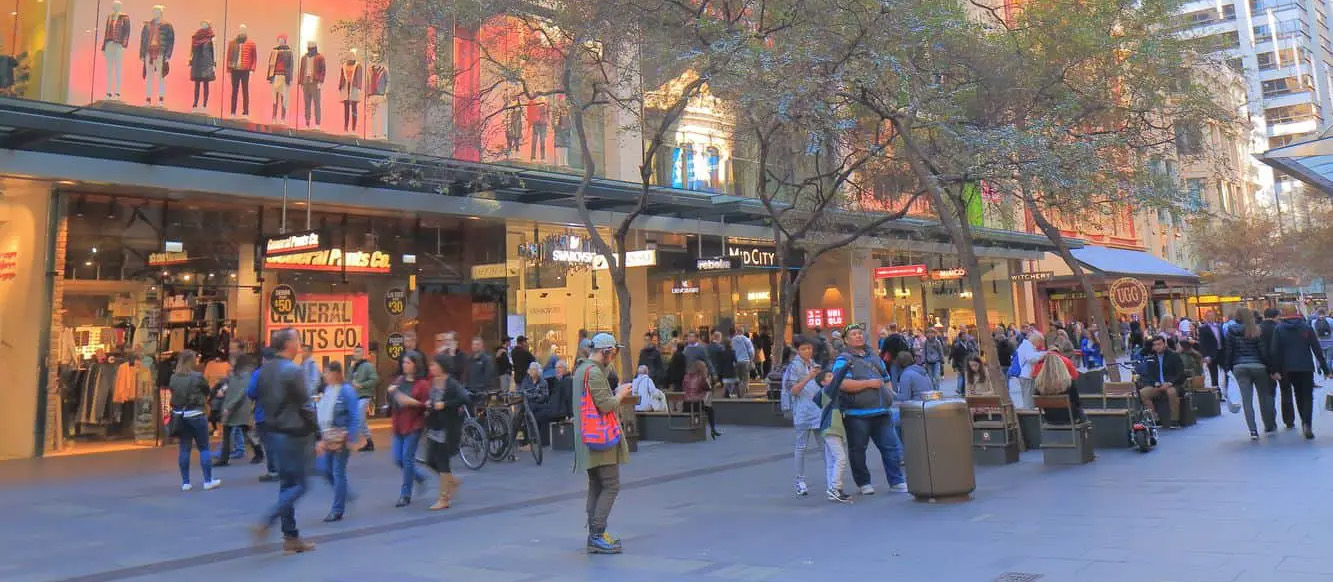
(444, 426)
(1247, 356)
(676, 368)
(189, 398)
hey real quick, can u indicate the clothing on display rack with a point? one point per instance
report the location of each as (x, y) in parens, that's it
(98, 387)
(126, 376)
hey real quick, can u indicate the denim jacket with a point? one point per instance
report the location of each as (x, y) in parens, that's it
(346, 413)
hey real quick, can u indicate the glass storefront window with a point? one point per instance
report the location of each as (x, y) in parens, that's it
(552, 299)
(679, 303)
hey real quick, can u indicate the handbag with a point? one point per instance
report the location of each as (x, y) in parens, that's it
(334, 439)
(601, 431)
(175, 424)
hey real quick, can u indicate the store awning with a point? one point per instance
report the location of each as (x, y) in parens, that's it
(1309, 161)
(1127, 263)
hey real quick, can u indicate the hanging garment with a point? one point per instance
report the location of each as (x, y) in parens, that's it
(124, 390)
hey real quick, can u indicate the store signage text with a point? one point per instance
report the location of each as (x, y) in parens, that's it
(495, 270)
(168, 258)
(332, 325)
(833, 317)
(757, 296)
(948, 274)
(685, 288)
(395, 345)
(9, 265)
(294, 242)
(1033, 277)
(754, 256)
(1129, 295)
(900, 271)
(282, 300)
(332, 260)
(814, 318)
(395, 301)
(718, 264)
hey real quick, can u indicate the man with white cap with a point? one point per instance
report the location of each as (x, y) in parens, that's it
(601, 460)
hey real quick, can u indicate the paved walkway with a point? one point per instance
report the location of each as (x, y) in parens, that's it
(1207, 505)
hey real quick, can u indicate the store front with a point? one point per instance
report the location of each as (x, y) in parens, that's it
(1170, 289)
(915, 292)
(709, 286)
(142, 278)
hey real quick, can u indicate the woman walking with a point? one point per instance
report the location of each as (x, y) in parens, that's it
(339, 413)
(408, 395)
(1247, 356)
(699, 394)
(798, 395)
(444, 426)
(189, 396)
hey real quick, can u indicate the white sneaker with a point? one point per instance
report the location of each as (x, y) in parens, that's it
(867, 489)
(801, 489)
(214, 484)
(899, 488)
(186, 487)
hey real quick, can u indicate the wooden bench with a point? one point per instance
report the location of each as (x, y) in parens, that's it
(994, 430)
(1063, 444)
(1110, 428)
(750, 412)
(674, 425)
(1029, 424)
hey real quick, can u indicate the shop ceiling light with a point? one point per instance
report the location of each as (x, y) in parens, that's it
(174, 246)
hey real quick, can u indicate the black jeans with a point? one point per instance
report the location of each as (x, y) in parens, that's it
(241, 79)
(204, 85)
(1284, 393)
(603, 487)
(1300, 385)
(1212, 372)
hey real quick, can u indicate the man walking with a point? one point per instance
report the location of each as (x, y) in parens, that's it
(481, 376)
(1323, 329)
(1212, 345)
(521, 357)
(261, 424)
(365, 378)
(860, 376)
(1029, 353)
(933, 353)
(1268, 327)
(1294, 350)
(291, 426)
(651, 356)
(602, 466)
(745, 356)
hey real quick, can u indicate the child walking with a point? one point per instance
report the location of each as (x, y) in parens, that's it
(799, 390)
(835, 438)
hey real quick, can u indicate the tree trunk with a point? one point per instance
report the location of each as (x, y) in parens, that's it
(1095, 311)
(786, 300)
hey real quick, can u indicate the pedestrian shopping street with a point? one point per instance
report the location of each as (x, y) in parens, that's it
(1207, 505)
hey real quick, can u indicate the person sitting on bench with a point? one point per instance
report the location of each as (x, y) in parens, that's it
(1054, 375)
(1162, 377)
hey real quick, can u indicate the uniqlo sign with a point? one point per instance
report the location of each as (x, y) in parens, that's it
(834, 317)
(814, 318)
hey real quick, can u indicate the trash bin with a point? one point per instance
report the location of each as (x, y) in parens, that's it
(937, 443)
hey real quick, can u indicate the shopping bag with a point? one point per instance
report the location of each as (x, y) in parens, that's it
(1231, 389)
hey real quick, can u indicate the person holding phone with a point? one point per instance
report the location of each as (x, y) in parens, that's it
(408, 396)
(602, 467)
(798, 396)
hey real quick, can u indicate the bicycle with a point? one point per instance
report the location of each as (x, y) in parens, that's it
(526, 431)
(496, 420)
(473, 444)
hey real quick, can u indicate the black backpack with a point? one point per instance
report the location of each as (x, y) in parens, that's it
(1322, 327)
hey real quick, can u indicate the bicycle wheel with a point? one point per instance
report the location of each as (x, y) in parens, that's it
(473, 444)
(532, 434)
(498, 434)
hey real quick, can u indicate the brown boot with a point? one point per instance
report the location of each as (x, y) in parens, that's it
(297, 546)
(446, 484)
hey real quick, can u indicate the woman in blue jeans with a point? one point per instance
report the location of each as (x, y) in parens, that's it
(408, 395)
(339, 413)
(189, 397)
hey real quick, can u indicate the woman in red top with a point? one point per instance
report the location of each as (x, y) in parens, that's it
(407, 396)
(699, 394)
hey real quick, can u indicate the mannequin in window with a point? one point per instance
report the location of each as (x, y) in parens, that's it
(280, 67)
(377, 98)
(513, 125)
(156, 41)
(115, 39)
(538, 120)
(241, 59)
(203, 66)
(311, 75)
(351, 78)
(562, 135)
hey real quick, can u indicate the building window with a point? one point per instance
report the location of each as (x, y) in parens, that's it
(1189, 139)
(714, 169)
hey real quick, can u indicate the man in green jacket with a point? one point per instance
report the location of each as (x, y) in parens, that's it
(603, 467)
(365, 378)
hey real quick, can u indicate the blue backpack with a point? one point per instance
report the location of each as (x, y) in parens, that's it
(1015, 368)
